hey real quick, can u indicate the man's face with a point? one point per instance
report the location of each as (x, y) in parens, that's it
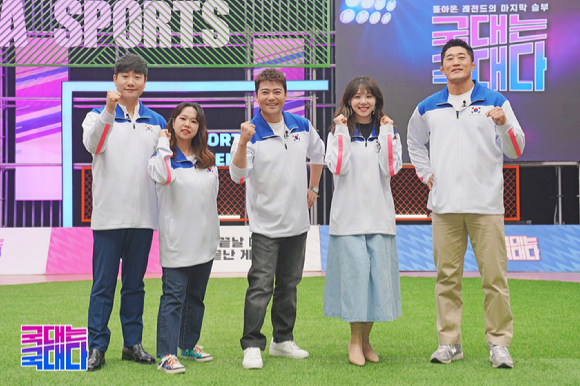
(457, 65)
(130, 84)
(271, 98)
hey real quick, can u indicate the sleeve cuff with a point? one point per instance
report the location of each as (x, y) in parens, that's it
(163, 142)
(341, 129)
(107, 118)
(503, 129)
(237, 172)
(387, 129)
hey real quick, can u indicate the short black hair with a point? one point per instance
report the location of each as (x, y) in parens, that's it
(456, 43)
(130, 63)
(271, 75)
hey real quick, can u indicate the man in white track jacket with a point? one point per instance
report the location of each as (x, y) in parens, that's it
(469, 128)
(121, 136)
(270, 155)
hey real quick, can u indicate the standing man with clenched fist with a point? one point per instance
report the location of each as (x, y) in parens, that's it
(121, 136)
(270, 156)
(468, 129)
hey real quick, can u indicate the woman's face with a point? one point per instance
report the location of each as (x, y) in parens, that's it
(186, 125)
(363, 104)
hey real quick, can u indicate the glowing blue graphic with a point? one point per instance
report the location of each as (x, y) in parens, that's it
(367, 10)
(347, 16)
(362, 17)
(375, 17)
(366, 4)
(386, 18)
(380, 4)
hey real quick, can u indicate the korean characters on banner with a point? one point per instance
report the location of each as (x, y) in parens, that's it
(234, 253)
(54, 348)
(522, 248)
(508, 41)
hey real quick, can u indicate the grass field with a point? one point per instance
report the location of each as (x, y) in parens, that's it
(545, 348)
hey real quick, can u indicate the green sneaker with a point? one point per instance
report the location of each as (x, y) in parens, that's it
(197, 354)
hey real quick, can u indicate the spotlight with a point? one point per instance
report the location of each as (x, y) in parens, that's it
(362, 17)
(386, 18)
(391, 5)
(366, 4)
(375, 17)
(347, 16)
(352, 3)
(380, 4)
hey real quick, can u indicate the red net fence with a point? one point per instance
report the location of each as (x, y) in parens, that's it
(409, 193)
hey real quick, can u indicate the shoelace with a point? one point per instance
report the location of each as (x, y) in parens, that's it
(444, 347)
(501, 351)
(294, 345)
(171, 361)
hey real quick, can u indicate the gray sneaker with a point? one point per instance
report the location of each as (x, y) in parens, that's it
(500, 356)
(447, 353)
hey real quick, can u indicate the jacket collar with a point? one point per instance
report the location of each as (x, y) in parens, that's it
(263, 129)
(143, 112)
(179, 157)
(477, 94)
(356, 132)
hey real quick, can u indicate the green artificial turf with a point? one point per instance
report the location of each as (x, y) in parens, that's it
(545, 348)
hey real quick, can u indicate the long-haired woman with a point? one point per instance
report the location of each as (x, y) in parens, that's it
(362, 273)
(187, 186)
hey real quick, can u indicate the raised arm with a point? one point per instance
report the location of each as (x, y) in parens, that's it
(97, 127)
(159, 166)
(390, 154)
(242, 154)
(510, 136)
(338, 147)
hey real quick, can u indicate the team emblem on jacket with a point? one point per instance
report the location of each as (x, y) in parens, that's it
(296, 137)
(377, 145)
(475, 110)
(148, 128)
(209, 170)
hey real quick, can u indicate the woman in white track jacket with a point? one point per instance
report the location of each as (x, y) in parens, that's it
(362, 272)
(187, 185)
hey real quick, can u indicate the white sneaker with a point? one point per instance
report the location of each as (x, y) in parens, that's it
(252, 358)
(287, 349)
(500, 356)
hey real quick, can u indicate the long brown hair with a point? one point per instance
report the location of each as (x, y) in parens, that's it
(363, 84)
(199, 143)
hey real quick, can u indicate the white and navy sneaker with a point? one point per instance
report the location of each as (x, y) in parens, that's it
(170, 364)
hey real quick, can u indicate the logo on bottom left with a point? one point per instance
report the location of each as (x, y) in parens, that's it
(54, 347)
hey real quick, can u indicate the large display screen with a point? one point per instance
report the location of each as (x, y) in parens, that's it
(527, 50)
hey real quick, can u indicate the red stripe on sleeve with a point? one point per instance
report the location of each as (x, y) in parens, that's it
(168, 169)
(102, 140)
(390, 147)
(515, 142)
(339, 162)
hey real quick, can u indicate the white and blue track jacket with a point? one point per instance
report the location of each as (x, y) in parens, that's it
(466, 151)
(123, 194)
(189, 228)
(362, 169)
(275, 176)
